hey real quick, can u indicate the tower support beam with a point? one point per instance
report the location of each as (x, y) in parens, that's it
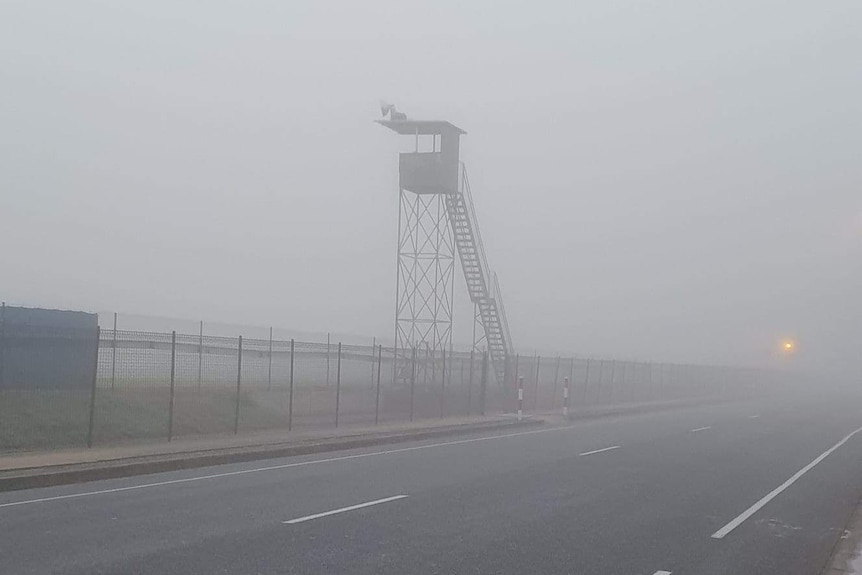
(425, 282)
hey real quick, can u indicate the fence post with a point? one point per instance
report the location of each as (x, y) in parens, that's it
(290, 393)
(643, 391)
(685, 372)
(675, 385)
(663, 381)
(200, 353)
(395, 364)
(377, 398)
(269, 372)
(520, 397)
(599, 386)
(694, 377)
(238, 382)
(687, 379)
(443, 386)
(173, 367)
(587, 381)
(373, 348)
(507, 370)
(114, 352)
(337, 384)
(645, 381)
(640, 389)
(649, 380)
(536, 394)
(484, 383)
(691, 377)
(2, 342)
(327, 359)
(647, 366)
(412, 381)
(92, 418)
(470, 384)
(556, 377)
(517, 371)
(613, 383)
(671, 378)
(451, 358)
(710, 380)
(504, 385)
(623, 382)
(566, 397)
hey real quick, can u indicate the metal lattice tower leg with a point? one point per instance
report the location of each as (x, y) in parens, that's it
(425, 280)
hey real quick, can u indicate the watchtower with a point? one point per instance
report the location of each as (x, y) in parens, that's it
(436, 218)
(426, 243)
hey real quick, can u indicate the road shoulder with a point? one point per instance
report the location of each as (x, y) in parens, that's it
(846, 558)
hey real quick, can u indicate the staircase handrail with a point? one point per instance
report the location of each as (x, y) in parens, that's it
(498, 297)
(474, 225)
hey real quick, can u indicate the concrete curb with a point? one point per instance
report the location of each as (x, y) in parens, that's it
(77, 473)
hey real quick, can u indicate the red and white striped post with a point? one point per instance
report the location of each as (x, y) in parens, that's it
(520, 398)
(566, 396)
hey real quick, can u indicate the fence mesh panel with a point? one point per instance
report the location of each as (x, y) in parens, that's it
(133, 386)
(205, 385)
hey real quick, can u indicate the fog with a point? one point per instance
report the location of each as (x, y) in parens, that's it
(654, 180)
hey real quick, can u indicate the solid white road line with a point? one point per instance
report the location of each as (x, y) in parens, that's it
(662, 573)
(772, 494)
(702, 428)
(753, 416)
(343, 509)
(282, 466)
(600, 450)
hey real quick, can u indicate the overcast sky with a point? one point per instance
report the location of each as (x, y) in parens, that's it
(660, 180)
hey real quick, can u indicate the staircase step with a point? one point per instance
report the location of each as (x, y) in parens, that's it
(478, 285)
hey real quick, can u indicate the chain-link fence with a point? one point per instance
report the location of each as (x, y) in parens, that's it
(547, 384)
(152, 386)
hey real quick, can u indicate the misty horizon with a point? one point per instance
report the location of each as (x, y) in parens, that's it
(663, 182)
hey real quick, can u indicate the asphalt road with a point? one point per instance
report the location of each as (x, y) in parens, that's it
(637, 494)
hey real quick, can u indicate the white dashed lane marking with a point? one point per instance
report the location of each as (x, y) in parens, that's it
(600, 450)
(344, 509)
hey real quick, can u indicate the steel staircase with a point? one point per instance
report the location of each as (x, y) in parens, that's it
(482, 285)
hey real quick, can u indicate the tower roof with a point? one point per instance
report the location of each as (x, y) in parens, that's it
(422, 127)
